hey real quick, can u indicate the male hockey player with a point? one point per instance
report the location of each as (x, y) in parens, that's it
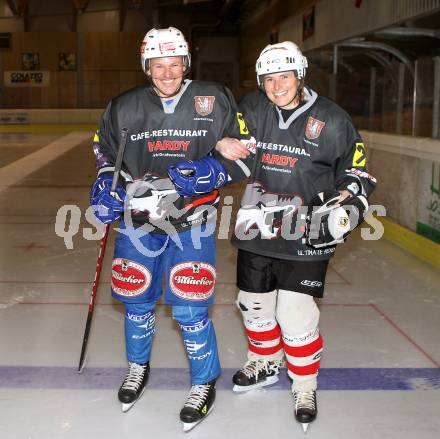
(160, 233)
(304, 145)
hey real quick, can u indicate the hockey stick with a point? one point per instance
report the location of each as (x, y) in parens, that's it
(116, 173)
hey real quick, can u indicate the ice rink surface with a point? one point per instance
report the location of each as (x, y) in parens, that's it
(380, 319)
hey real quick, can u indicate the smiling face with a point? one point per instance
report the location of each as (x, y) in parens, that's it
(167, 75)
(282, 89)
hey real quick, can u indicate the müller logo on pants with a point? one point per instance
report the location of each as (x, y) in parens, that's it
(129, 278)
(192, 280)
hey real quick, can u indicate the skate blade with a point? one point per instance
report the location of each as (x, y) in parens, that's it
(127, 406)
(269, 381)
(305, 426)
(188, 426)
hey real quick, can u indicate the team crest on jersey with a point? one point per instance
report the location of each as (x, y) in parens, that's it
(314, 128)
(204, 104)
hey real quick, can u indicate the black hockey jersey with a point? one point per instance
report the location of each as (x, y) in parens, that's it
(317, 148)
(162, 132)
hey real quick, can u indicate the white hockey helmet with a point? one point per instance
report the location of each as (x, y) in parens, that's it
(281, 57)
(159, 43)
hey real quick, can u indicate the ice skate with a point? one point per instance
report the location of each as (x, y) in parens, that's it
(256, 374)
(198, 405)
(306, 407)
(134, 384)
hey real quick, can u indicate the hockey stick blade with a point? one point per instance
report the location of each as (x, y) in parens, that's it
(83, 357)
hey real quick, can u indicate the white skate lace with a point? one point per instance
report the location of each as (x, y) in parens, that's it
(304, 400)
(197, 395)
(255, 367)
(134, 376)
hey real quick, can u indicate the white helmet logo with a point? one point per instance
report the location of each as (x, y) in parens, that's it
(165, 47)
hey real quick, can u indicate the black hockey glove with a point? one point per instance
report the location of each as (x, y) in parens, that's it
(329, 221)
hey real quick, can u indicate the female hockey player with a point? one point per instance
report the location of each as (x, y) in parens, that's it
(306, 152)
(160, 233)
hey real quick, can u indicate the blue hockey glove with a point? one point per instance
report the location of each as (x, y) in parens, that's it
(197, 176)
(107, 208)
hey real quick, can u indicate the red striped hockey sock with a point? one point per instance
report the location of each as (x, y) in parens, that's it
(265, 342)
(303, 354)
